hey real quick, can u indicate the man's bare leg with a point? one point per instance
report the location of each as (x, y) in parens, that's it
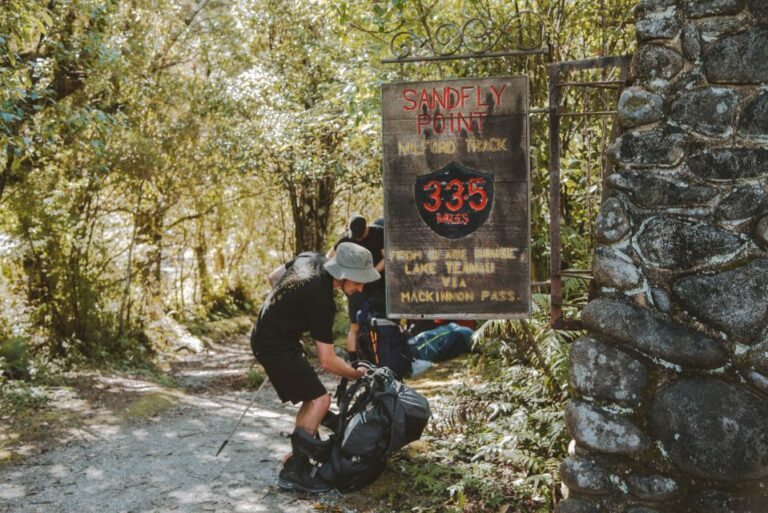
(308, 415)
(298, 472)
(311, 413)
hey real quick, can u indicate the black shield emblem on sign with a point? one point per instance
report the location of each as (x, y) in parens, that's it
(454, 201)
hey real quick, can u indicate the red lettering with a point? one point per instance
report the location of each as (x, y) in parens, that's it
(458, 195)
(462, 119)
(447, 98)
(465, 94)
(451, 122)
(425, 99)
(407, 93)
(479, 98)
(480, 118)
(439, 123)
(497, 94)
(452, 218)
(422, 121)
(434, 196)
(476, 189)
(437, 107)
(452, 98)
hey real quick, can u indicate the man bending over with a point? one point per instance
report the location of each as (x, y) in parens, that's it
(302, 301)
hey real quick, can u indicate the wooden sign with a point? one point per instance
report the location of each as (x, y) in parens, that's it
(456, 198)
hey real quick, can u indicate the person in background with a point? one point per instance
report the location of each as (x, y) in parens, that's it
(370, 237)
(302, 301)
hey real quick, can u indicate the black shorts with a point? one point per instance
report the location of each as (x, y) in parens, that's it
(291, 374)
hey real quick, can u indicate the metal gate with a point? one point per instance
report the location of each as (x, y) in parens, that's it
(557, 73)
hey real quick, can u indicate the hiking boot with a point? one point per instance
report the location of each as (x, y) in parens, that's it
(299, 475)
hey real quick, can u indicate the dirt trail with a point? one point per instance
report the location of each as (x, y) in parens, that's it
(165, 461)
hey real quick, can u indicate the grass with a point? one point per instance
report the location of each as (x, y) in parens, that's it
(253, 379)
(220, 329)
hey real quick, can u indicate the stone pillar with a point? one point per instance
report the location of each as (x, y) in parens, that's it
(669, 411)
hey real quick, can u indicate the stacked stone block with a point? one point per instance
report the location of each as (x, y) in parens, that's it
(669, 411)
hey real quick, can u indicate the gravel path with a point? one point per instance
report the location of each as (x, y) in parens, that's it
(166, 462)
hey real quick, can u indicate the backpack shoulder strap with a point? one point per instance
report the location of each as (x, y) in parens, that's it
(345, 393)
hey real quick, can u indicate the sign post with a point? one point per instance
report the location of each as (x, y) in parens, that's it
(456, 198)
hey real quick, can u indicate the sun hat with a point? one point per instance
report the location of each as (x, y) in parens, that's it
(352, 262)
(356, 227)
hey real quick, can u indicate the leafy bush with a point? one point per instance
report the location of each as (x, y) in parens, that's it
(18, 395)
(233, 301)
(15, 362)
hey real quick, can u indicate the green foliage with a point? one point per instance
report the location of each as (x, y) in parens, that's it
(123, 182)
(215, 328)
(341, 321)
(18, 395)
(231, 302)
(314, 135)
(253, 379)
(15, 361)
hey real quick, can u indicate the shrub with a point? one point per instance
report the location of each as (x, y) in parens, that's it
(15, 362)
(18, 395)
(253, 379)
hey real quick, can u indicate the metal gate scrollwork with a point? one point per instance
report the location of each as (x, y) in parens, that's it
(525, 33)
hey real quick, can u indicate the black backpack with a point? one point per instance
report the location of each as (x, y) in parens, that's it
(378, 415)
(382, 342)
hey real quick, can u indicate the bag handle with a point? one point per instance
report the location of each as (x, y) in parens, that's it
(342, 388)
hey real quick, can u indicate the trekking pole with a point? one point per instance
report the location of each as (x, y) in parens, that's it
(375, 341)
(234, 429)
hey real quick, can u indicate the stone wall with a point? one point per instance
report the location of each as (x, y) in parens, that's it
(669, 411)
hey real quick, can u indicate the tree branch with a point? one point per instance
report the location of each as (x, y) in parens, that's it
(158, 63)
(207, 211)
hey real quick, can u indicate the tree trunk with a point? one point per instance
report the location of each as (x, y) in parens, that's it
(150, 231)
(201, 251)
(311, 202)
(126, 303)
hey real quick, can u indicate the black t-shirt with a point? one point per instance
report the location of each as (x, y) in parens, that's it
(301, 301)
(373, 242)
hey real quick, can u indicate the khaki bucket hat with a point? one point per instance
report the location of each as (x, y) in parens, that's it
(352, 262)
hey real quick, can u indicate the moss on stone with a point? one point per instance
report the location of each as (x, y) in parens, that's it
(150, 405)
